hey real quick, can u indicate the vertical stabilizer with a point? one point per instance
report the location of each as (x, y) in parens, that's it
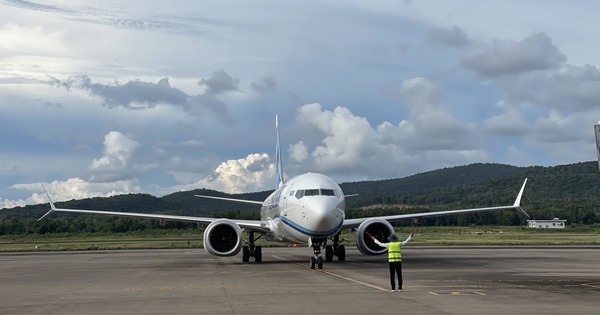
(278, 168)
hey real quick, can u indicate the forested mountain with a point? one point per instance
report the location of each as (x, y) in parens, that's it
(569, 192)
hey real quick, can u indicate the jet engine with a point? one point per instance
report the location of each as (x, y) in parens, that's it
(379, 228)
(223, 237)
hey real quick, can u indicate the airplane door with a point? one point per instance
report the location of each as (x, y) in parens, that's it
(289, 193)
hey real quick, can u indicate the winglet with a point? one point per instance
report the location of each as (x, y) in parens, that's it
(517, 203)
(52, 207)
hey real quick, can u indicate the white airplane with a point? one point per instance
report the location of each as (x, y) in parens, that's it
(306, 209)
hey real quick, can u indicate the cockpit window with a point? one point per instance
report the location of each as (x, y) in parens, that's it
(315, 192)
(311, 192)
(327, 192)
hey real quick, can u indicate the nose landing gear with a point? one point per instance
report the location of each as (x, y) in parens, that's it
(330, 250)
(317, 260)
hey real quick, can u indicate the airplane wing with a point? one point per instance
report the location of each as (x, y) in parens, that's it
(253, 202)
(350, 223)
(252, 225)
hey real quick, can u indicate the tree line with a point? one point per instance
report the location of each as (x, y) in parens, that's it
(570, 192)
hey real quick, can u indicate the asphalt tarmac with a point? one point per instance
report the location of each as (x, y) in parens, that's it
(437, 280)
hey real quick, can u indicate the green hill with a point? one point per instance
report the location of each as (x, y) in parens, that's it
(570, 192)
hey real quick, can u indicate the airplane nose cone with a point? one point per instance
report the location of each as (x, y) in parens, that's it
(325, 216)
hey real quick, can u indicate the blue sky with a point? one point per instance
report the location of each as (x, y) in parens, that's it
(104, 97)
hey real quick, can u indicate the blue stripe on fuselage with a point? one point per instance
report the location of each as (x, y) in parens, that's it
(308, 232)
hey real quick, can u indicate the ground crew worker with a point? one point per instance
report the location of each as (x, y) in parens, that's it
(395, 257)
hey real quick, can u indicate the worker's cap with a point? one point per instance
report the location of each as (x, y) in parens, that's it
(392, 238)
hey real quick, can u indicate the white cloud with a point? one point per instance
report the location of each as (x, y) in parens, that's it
(429, 138)
(298, 151)
(72, 188)
(252, 173)
(117, 161)
(348, 138)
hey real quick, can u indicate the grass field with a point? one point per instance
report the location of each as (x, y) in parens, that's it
(426, 236)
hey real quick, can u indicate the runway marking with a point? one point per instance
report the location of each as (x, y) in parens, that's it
(372, 286)
(457, 293)
(592, 285)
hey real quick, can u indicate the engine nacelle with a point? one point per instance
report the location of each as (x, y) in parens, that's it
(379, 228)
(223, 237)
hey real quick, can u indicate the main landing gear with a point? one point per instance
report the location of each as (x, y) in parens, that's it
(250, 250)
(330, 250)
(335, 250)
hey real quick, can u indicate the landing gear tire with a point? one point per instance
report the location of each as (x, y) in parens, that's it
(245, 254)
(313, 262)
(251, 250)
(341, 253)
(320, 262)
(328, 253)
(258, 254)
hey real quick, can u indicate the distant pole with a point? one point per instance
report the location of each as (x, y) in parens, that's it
(597, 131)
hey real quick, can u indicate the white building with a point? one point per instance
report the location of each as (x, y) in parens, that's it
(555, 223)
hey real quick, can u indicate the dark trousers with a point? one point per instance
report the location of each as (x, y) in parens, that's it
(396, 269)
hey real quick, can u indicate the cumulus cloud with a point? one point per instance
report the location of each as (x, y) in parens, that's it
(252, 173)
(452, 37)
(348, 138)
(510, 57)
(117, 162)
(430, 137)
(72, 188)
(298, 151)
(545, 99)
(557, 128)
(428, 120)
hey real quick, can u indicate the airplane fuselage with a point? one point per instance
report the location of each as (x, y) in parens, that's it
(308, 206)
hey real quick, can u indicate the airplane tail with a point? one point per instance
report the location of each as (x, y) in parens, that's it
(278, 168)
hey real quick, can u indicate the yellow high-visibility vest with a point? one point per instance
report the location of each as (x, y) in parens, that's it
(394, 254)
